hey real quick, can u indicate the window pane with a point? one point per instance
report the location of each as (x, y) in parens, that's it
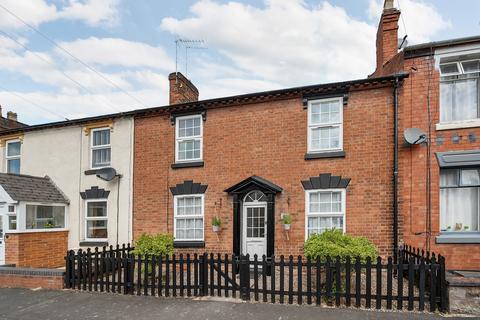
(325, 138)
(189, 127)
(470, 177)
(13, 166)
(97, 209)
(459, 100)
(101, 137)
(325, 112)
(450, 68)
(101, 157)
(12, 222)
(45, 217)
(471, 66)
(449, 177)
(189, 150)
(97, 229)
(459, 209)
(189, 229)
(13, 149)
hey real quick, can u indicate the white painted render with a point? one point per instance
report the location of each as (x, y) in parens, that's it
(64, 155)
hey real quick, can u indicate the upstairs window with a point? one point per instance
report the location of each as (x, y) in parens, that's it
(459, 90)
(101, 149)
(188, 134)
(460, 200)
(13, 152)
(325, 125)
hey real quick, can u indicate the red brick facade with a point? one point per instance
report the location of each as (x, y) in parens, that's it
(36, 249)
(30, 281)
(270, 140)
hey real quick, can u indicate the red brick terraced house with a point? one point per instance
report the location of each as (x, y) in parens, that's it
(439, 175)
(322, 154)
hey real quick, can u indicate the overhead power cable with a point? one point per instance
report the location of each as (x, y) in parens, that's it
(55, 66)
(73, 56)
(32, 103)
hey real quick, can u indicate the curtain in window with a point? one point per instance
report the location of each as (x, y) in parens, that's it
(459, 208)
(458, 100)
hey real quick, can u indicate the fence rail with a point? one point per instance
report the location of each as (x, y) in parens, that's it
(414, 284)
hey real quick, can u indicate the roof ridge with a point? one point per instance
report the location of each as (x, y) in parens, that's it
(24, 176)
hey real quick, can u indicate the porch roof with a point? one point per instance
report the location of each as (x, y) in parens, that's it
(260, 182)
(30, 188)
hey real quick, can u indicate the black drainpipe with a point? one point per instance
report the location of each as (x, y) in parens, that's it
(395, 169)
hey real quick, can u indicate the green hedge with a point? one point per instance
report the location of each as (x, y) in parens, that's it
(334, 243)
(154, 245)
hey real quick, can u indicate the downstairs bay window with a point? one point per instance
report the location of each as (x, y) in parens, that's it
(460, 200)
(44, 217)
(189, 217)
(325, 210)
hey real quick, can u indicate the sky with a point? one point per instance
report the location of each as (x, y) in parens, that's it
(67, 59)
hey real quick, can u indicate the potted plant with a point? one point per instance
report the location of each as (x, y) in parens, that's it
(287, 221)
(216, 224)
(465, 228)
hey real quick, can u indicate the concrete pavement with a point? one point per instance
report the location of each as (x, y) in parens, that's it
(54, 305)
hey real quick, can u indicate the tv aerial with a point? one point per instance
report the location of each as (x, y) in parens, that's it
(414, 136)
(188, 44)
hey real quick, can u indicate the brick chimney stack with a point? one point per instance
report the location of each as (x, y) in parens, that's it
(181, 89)
(387, 36)
(11, 116)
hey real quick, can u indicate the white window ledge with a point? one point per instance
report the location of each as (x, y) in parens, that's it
(458, 237)
(458, 124)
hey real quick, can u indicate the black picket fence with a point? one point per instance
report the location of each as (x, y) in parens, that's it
(368, 284)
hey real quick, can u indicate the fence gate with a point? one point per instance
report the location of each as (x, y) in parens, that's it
(415, 282)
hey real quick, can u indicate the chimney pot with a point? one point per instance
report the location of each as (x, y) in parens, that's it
(12, 116)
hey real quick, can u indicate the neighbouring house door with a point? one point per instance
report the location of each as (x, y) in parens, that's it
(255, 230)
(2, 242)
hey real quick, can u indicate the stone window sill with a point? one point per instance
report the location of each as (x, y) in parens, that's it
(179, 165)
(458, 237)
(322, 155)
(458, 125)
(189, 244)
(93, 243)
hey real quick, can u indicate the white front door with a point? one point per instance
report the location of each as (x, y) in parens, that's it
(2, 242)
(254, 229)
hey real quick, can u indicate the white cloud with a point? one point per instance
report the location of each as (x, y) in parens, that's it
(36, 12)
(422, 19)
(285, 42)
(118, 52)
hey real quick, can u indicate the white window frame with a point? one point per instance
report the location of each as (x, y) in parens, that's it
(181, 139)
(24, 217)
(7, 157)
(87, 218)
(11, 214)
(175, 216)
(468, 72)
(325, 214)
(312, 126)
(99, 147)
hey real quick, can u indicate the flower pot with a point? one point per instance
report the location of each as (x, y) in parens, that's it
(286, 227)
(216, 228)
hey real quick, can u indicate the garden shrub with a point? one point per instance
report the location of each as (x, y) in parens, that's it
(154, 245)
(334, 243)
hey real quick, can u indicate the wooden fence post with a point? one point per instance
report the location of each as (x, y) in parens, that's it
(203, 275)
(444, 299)
(245, 277)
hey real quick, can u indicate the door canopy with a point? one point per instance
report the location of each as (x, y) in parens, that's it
(254, 183)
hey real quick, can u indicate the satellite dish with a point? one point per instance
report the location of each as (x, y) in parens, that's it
(106, 174)
(414, 136)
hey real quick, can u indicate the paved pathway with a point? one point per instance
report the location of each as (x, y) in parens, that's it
(54, 305)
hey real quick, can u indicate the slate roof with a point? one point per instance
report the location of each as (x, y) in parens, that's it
(264, 184)
(29, 188)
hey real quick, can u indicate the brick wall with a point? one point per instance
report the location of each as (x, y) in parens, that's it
(31, 278)
(36, 249)
(412, 179)
(270, 140)
(181, 89)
